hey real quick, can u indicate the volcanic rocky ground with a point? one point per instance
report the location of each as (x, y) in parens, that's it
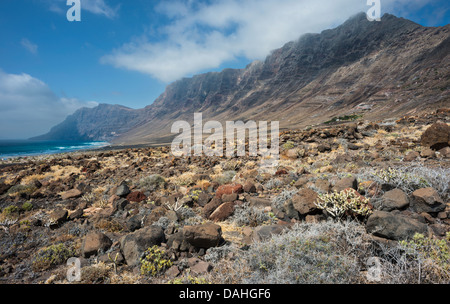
(107, 208)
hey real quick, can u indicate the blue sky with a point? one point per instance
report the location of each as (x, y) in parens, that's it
(126, 52)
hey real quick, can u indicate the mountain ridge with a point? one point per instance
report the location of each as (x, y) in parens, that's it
(382, 69)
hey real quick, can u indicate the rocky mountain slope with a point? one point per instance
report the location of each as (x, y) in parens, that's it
(100, 123)
(377, 69)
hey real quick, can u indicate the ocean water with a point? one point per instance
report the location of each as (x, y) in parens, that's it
(16, 148)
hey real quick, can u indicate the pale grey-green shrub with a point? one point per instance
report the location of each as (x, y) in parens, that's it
(279, 200)
(226, 177)
(411, 178)
(152, 182)
(246, 215)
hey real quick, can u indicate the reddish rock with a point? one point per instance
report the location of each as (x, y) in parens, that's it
(281, 172)
(427, 153)
(370, 188)
(323, 185)
(304, 201)
(201, 267)
(394, 199)
(203, 236)
(249, 187)
(74, 193)
(211, 206)
(58, 216)
(411, 156)
(173, 272)
(427, 200)
(222, 212)
(155, 215)
(229, 197)
(445, 152)
(437, 136)
(346, 182)
(228, 189)
(113, 198)
(93, 242)
(136, 196)
(76, 214)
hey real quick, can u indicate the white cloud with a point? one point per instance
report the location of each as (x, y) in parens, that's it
(29, 46)
(30, 108)
(203, 36)
(100, 7)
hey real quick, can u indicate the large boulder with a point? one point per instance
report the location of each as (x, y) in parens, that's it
(394, 199)
(178, 242)
(228, 189)
(222, 212)
(93, 242)
(133, 245)
(211, 206)
(58, 216)
(203, 236)
(394, 226)
(427, 200)
(437, 136)
(304, 201)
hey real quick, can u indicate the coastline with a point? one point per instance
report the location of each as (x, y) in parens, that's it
(49, 151)
(17, 160)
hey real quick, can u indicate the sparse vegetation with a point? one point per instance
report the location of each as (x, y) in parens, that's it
(51, 256)
(320, 253)
(288, 145)
(346, 203)
(152, 182)
(411, 178)
(22, 189)
(99, 273)
(154, 262)
(279, 200)
(432, 255)
(246, 215)
(273, 183)
(343, 118)
(27, 206)
(185, 179)
(225, 178)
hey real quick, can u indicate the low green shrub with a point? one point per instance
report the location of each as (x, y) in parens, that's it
(51, 256)
(154, 262)
(27, 206)
(432, 254)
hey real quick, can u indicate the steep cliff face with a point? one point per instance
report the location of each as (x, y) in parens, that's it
(104, 122)
(384, 69)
